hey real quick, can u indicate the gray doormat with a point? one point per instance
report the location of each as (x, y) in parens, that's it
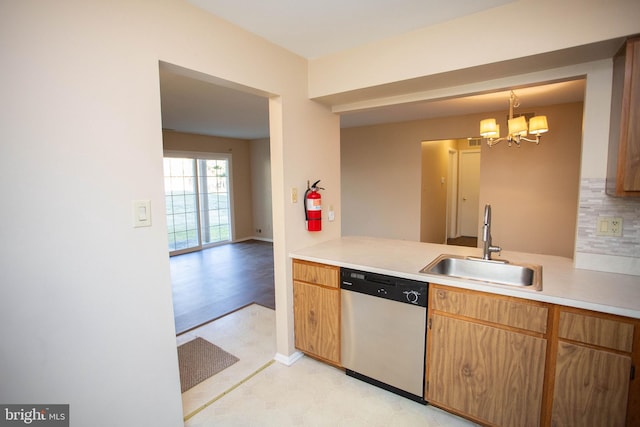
(199, 360)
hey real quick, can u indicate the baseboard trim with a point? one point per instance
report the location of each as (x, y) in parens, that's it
(264, 239)
(288, 360)
(244, 239)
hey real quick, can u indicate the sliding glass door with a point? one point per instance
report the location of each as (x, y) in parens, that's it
(214, 200)
(197, 200)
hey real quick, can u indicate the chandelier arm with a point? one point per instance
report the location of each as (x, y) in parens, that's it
(511, 139)
(537, 140)
(493, 141)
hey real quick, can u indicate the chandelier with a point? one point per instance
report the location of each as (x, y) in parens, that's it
(517, 127)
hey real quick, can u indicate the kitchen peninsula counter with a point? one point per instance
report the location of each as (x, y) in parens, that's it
(562, 283)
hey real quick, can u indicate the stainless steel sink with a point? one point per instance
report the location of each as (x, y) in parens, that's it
(490, 271)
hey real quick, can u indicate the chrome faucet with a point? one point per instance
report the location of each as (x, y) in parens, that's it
(488, 248)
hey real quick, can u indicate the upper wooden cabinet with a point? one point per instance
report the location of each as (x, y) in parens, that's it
(623, 167)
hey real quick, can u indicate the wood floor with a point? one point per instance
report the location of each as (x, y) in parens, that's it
(213, 282)
(464, 241)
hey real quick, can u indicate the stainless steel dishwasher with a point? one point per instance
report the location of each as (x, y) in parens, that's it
(384, 331)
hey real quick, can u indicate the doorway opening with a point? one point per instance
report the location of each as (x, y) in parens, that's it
(450, 192)
(217, 177)
(468, 194)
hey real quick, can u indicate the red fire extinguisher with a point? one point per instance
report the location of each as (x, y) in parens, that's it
(313, 207)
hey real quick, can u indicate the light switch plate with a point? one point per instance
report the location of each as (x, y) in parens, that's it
(609, 226)
(142, 213)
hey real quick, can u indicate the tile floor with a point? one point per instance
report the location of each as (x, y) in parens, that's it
(256, 391)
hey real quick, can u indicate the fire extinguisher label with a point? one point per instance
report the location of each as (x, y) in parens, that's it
(314, 205)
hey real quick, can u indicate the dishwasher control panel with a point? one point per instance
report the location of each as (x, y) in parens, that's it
(393, 288)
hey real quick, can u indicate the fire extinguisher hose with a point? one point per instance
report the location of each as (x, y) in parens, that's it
(309, 189)
(306, 212)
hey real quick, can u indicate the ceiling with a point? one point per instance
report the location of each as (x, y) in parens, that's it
(532, 96)
(197, 106)
(301, 25)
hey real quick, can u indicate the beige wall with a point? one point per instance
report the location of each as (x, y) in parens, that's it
(380, 168)
(533, 190)
(261, 189)
(241, 183)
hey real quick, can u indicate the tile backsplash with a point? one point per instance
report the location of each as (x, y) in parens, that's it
(594, 203)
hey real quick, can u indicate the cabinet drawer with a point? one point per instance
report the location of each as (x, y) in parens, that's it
(318, 274)
(594, 330)
(497, 309)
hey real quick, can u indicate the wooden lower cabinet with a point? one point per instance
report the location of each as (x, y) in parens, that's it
(316, 310)
(591, 387)
(317, 322)
(499, 360)
(485, 371)
(503, 361)
(592, 382)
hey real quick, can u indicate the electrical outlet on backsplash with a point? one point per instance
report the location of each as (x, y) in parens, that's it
(594, 204)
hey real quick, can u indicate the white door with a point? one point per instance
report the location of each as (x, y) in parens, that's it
(469, 192)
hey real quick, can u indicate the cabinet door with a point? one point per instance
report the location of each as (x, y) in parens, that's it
(491, 374)
(623, 165)
(591, 387)
(631, 168)
(316, 312)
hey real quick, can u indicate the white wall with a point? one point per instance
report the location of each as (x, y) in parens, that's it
(498, 36)
(85, 306)
(595, 252)
(314, 131)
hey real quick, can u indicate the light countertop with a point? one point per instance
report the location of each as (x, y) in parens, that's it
(562, 283)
